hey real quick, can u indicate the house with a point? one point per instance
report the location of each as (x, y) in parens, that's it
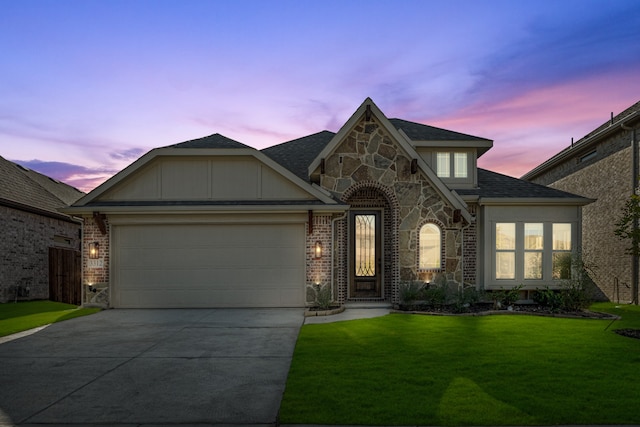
(214, 223)
(603, 165)
(35, 238)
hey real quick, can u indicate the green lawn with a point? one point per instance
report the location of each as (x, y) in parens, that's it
(493, 370)
(17, 317)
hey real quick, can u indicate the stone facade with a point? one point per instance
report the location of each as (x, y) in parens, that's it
(25, 243)
(603, 172)
(369, 169)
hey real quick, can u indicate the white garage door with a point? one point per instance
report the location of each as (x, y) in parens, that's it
(208, 265)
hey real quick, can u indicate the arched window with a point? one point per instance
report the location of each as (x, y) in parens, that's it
(430, 247)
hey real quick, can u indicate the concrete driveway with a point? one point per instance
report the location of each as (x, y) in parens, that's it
(151, 367)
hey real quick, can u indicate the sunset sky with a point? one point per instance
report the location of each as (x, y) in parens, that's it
(88, 86)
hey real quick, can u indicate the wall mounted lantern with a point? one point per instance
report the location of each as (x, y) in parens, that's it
(94, 250)
(317, 250)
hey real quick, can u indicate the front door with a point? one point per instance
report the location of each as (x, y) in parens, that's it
(365, 255)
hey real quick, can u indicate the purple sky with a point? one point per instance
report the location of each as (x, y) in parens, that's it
(88, 86)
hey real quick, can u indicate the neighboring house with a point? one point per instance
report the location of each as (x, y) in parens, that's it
(214, 223)
(603, 165)
(35, 238)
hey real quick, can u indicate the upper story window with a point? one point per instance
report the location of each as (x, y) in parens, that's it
(452, 165)
(430, 247)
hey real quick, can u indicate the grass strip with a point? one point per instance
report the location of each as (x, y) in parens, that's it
(22, 316)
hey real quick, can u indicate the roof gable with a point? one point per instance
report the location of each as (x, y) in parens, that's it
(369, 108)
(195, 172)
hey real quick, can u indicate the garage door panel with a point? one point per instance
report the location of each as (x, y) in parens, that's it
(209, 265)
(202, 299)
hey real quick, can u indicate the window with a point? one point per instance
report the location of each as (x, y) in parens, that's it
(443, 165)
(505, 250)
(533, 247)
(446, 163)
(430, 247)
(532, 251)
(460, 165)
(561, 251)
(588, 156)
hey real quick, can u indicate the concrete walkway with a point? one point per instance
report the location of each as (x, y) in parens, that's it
(151, 368)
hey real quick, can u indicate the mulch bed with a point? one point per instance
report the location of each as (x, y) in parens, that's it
(488, 308)
(631, 333)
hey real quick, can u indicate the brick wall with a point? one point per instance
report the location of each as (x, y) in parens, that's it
(318, 269)
(606, 176)
(95, 274)
(24, 250)
(608, 181)
(470, 250)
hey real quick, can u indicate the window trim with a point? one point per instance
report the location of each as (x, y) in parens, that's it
(519, 253)
(452, 171)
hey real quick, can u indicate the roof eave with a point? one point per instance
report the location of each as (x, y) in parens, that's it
(534, 201)
(187, 209)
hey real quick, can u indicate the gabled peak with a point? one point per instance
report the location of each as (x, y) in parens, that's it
(212, 141)
(420, 132)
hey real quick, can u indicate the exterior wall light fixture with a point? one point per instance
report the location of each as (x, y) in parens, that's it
(317, 250)
(94, 250)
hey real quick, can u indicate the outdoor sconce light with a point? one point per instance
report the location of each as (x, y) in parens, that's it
(317, 250)
(94, 250)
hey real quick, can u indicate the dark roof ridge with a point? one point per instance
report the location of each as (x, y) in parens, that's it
(215, 140)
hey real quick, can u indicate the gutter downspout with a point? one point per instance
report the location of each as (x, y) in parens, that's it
(634, 186)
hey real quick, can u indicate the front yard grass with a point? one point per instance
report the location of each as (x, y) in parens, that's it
(449, 370)
(21, 316)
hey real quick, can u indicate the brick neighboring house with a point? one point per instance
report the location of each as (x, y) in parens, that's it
(603, 165)
(33, 232)
(212, 222)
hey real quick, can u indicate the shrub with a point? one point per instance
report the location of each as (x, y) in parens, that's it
(505, 297)
(573, 293)
(323, 296)
(410, 291)
(548, 298)
(465, 297)
(436, 294)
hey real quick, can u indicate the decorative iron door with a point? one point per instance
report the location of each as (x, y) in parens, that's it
(365, 255)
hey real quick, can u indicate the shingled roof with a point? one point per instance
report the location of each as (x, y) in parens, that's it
(212, 141)
(25, 189)
(298, 154)
(495, 185)
(420, 132)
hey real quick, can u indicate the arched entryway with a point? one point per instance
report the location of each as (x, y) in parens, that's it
(369, 255)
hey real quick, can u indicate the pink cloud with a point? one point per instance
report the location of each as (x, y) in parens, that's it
(530, 127)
